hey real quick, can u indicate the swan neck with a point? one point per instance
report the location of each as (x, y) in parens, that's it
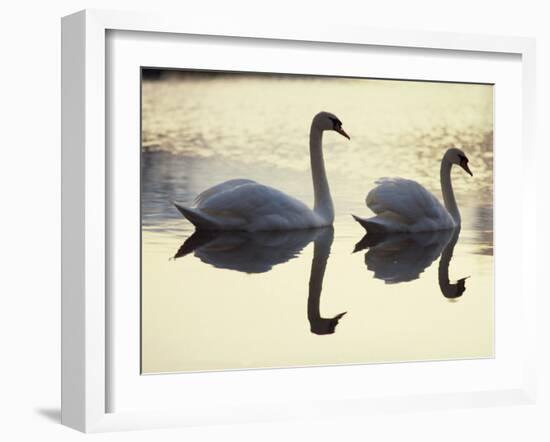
(321, 252)
(447, 289)
(323, 200)
(447, 191)
(446, 256)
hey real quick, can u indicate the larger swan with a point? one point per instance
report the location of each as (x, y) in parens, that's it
(403, 205)
(242, 204)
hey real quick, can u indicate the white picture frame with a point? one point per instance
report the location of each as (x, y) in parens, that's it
(86, 210)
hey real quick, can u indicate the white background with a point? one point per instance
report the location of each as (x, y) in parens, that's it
(30, 220)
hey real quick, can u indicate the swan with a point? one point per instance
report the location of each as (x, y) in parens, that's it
(401, 257)
(242, 204)
(403, 205)
(318, 324)
(246, 252)
(259, 252)
(451, 291)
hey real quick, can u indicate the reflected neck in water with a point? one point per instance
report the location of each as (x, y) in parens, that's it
(450, 291)
(321, 252)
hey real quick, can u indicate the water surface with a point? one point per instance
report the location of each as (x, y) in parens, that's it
(325, 296)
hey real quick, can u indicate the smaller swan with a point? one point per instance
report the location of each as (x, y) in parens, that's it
(246, 205)
(403, 205)
(402, 257)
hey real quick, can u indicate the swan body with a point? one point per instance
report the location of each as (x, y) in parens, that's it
(250, 206)
(403, 205)
(245, 205)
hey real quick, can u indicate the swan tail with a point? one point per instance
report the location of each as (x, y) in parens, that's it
(200, 220)
(198, 239)
(370, 225)
(369, 240)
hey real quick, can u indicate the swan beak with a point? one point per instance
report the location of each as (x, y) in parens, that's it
(342, 132)
(464, 165)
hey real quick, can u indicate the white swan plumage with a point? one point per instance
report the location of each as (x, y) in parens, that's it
(242, 204)
(403, 205)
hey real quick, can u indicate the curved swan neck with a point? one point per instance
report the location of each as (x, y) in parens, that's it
(447, 190)
(446, 256)
(321, 251)
(447, 289)
(323, 201)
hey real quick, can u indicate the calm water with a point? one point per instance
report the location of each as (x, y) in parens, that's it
(324, 296)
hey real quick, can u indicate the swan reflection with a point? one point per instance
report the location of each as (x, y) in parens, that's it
(259, 252)
(402, 257)
(450, 291)
(248, 252)
(321, 252)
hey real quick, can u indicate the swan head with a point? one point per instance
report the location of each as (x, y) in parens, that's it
(327, 121)
(325, 326)
(458, 157)
(454, 291)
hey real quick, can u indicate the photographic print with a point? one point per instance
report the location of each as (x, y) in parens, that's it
(297, 220)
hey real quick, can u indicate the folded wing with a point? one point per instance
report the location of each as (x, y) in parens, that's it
(247, 205)
(405, 205)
